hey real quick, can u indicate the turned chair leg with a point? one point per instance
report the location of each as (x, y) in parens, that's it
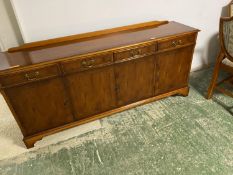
(215, 76)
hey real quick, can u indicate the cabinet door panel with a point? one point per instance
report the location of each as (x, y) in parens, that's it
(41, 105)
(173, 69)
(135, 80)
(92, 91)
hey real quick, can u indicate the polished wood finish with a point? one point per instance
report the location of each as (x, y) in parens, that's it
(135, 80)
(112, 42)
(30, 141)
(92, 92)
(173, 77)
(85, 63)
(176, 42)
(79, 37)
(41, 105)
(134, 52)
(29, 75)
(54, 85)
(214, 79)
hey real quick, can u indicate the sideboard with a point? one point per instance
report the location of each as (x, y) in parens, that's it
(60, 83)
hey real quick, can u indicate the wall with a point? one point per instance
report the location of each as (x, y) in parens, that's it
(10, 35)
(1, 46)
(45, 19)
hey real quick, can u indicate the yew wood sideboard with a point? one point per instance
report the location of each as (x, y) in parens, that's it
(60, 83)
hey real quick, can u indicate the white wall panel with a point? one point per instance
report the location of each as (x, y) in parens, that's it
(45, 19)
(10, 35)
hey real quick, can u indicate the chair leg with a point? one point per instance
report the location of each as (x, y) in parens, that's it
(215, 76)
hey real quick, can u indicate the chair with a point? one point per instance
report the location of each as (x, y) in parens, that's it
(225, 59)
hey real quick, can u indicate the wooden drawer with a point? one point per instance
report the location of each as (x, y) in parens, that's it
(84, 63)
(132, 53)
(29, 75)
(176, 42)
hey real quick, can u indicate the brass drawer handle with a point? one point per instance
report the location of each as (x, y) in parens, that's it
(84, 63)
(174, 43)
(88, 63)
(180, 42)
(177, 43)
(32, 76)
(139, 52)
(134, 53)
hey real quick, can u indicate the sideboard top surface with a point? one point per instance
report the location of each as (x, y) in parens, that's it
(10, 60)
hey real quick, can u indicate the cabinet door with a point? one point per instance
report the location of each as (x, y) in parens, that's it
(41, 105)
(173, 69)
(92, 91)
(135, 80)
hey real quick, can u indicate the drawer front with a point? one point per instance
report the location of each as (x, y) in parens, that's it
(29, 75)
(79, 64)
(176, 42)
(132, 53)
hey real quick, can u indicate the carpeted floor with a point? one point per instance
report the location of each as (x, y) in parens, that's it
(177, 135)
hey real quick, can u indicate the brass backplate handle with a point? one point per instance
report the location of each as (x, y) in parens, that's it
(32, 76)
(139, 52)
(180, 42)
(177, 43)
(88, 63)
(135, 53)
(174, 43)
(132, 54)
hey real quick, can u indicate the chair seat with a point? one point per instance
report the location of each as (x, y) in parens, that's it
(227, 62)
